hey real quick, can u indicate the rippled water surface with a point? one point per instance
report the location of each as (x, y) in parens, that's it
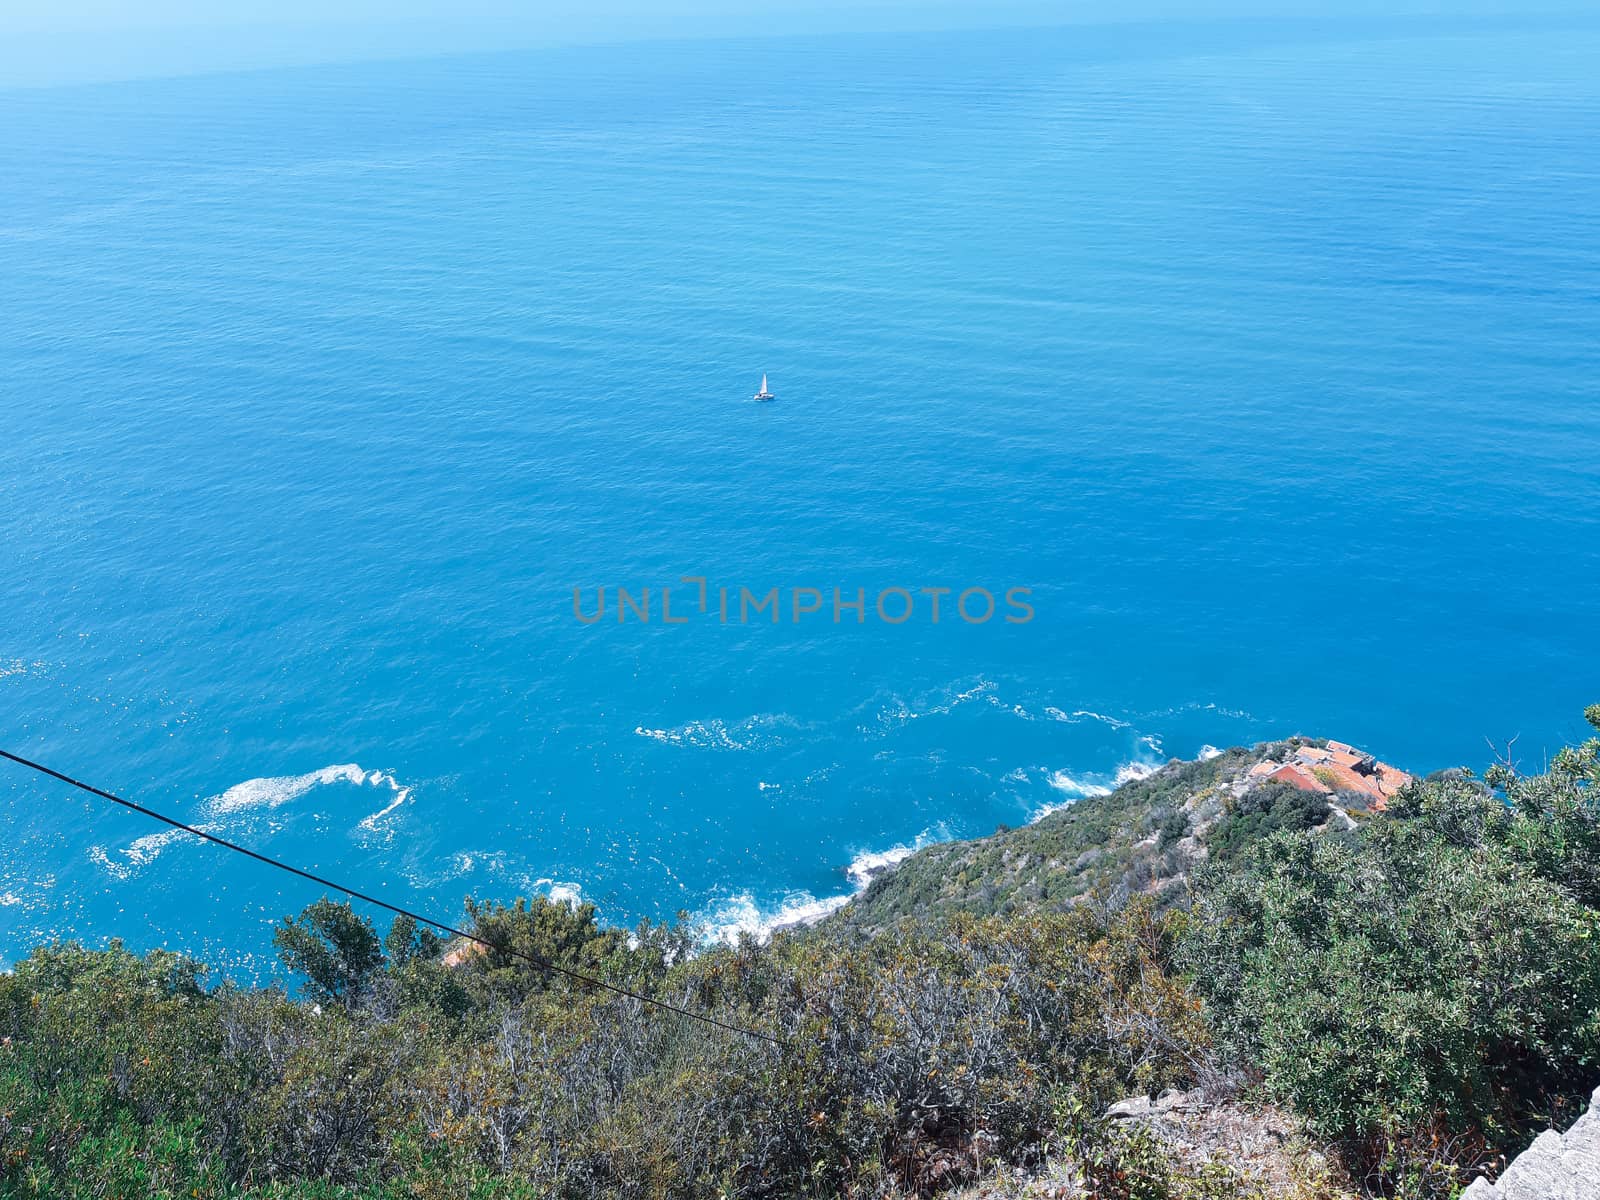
(1265, 357)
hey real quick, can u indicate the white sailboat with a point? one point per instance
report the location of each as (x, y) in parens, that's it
(763, 394)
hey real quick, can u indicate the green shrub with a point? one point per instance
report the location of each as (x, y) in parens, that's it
(335, 948)
(1262, 811)
(914, 1059)
(1431, 981)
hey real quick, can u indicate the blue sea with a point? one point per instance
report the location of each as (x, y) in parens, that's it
(1265, 356)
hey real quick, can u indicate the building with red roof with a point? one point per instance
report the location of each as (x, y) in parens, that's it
(1334, 768)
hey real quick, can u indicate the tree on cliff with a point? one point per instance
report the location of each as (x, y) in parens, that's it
(335, 948)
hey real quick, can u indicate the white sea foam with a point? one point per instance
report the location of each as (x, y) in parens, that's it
(276, 791)
(371, 821)
(1078, 789)
(983, 687)
(223, 811)
(1016, 710)
(899, 712)
(1208, 752)
(18, 889)
(374, 822)
(1235, 714)
(1130, 771)
(741, 913)
(145, 849)
(1077, 716)
(570, 894)
(762, 731)
(139, 853)
(865, 867)
(465, 862)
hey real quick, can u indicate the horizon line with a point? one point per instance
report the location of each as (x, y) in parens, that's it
(1022, 17)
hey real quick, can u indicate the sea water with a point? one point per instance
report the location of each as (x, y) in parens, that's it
(1264, 357)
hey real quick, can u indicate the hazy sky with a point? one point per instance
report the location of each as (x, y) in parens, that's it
(46, 42)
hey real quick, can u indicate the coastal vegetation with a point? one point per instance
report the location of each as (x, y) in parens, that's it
(1418, 990)
(1127, 841)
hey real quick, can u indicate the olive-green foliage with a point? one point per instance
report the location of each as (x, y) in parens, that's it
(1554, 818)
(525, 935)
(335, 948)
(912, 1059)
(407, 942)
(1425, 989)
(105, 1058)
(1433, 979)
(1266, 809)
(1174, 827)
(1093, 846)
(1110, 1161)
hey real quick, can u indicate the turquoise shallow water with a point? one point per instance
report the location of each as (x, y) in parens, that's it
(1265, 356)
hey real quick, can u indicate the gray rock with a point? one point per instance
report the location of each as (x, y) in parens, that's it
(1136, 1107)
(1130, 1109)
(1555, 1167)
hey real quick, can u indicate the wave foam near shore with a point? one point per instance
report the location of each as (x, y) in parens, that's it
(253, 795)
(741, 913)
(1075, 788)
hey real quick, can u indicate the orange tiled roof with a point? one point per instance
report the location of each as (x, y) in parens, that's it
(1299, 776)
(1340, 764)
(463, 952)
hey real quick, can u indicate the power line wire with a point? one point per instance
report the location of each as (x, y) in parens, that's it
(384, 904)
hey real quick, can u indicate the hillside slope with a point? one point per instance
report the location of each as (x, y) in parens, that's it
(1396, 1004)
(1146, 837)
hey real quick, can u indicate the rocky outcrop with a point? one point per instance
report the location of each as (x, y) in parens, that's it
(1215, 1147)
(1265, 1147)
(1555, 1167)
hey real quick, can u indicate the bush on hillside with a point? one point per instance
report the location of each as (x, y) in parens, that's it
(909, 1062)
(1430, 981)
(1266, 809)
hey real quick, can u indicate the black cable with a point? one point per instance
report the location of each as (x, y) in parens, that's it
(384, 904)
